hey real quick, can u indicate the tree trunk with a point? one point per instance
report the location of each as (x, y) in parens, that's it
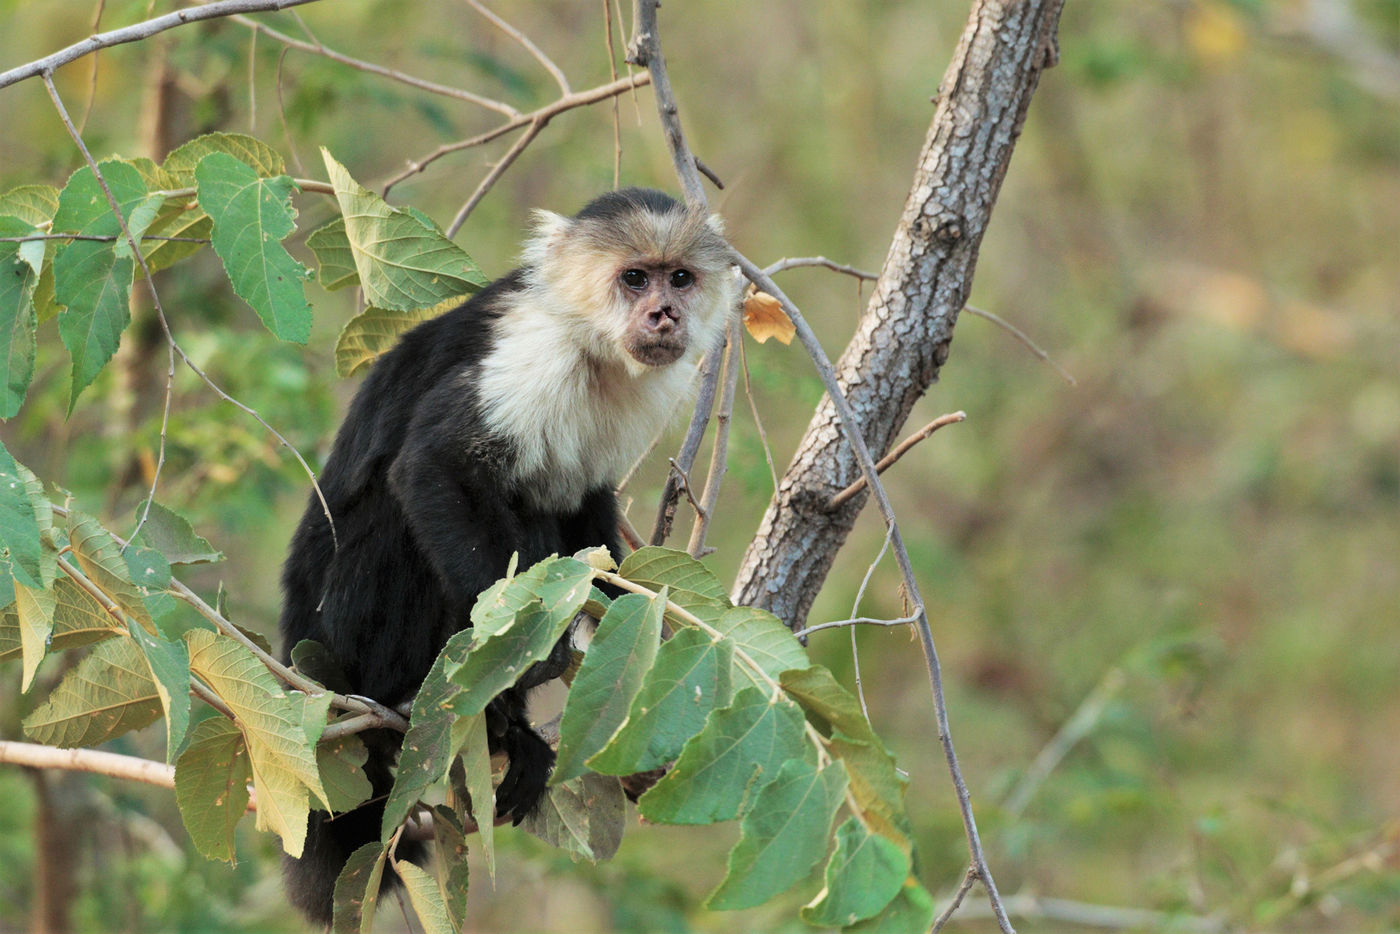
(905, 333)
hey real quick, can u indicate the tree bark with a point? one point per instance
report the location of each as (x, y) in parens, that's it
(905, 333)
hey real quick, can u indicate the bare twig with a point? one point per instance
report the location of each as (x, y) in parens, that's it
(129, 768)
(895, 454)
(685, 458)
(969, 880)
(709, 173)
(316, 47)
(164, 429)
(545, 113)
(496, 172)
(100, 238)
(719, 452)
(139, 31)
(527, 44)
(757, 421)
(1023, 338)
(862, 621)
(644, 51)
(1081, 915)
(797, 262)
(612, 70)
(855, 611)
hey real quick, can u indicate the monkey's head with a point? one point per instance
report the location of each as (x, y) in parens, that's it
(647, 280)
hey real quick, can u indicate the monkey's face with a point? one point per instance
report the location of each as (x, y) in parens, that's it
(659, 303)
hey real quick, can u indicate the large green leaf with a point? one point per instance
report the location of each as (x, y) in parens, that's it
(726, 764)
(374, 331)
(427, 746)
(618, 659)
(470, 739)
(403, 263)
(450, 845)
(655, 567)
(341, 762)
(251, 217)
(690, 677)
(170, 533)
(91, 278)
(33, 204)
(911, 912)
(863, 876)
(20, 526)
(182, 162)
(19, 276)
(170, 668)
(583, 816)
(782, 836)
(426, 897)
(335, 260)
(762, 637)
(357, 889)
(109, 693)
(211, 786)
(281, 747)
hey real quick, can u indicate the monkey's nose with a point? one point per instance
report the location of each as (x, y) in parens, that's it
(663, 318)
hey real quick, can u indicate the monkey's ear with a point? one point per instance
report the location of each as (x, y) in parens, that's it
(715, 223)
(549, 230)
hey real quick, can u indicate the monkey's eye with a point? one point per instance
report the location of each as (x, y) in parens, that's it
(682, 279)
(634, 279)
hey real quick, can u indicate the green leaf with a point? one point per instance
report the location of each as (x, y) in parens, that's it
(171, 534)
(253, 152)
(403, 263)
(426, 898)
(476, 765)
(211, 786)
(618, 659)
(357, 890)
(875, 783)
(20, 528)
(33, 204)
(170, 668)
(108, 694)
(35, 609)
(763, 637)
(451, 848)
(100, 558)
(341, 763)
(374, 331)
(911, 911)
(314, 660)
(178, 217)
(280, 747)
(18, 279)
(334, 259)
(782, 836)
(721, 768)
(654, 567)
(252, 215)
(90, 278)
(690, 678)
(78, 620)
(427, 746)
(863, 876)
(516, 624)
(583, 816)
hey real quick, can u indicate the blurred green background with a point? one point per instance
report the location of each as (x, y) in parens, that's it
(1191, 556)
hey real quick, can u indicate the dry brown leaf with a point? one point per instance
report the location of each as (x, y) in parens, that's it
(765, 318)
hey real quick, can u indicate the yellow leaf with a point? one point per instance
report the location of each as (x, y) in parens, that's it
(765, 318)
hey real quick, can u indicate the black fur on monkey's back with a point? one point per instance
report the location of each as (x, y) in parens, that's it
(426, 518)
(496, 429)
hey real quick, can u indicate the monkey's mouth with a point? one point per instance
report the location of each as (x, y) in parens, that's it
(657, 350)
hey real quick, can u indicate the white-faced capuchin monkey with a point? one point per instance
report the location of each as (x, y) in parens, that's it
(498, 428)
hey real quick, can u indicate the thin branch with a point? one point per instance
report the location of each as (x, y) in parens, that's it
(855, 611)
(496, 172)
(139, 31)
(130, 768)
(316, 47)
(862, 621)
(546, 113)
(101, 238)
(164, 429)
(1081, 915)
(1024, 339)
(757, 421)
(709, 173)
(685, 459)
(616, 114)
(867, 466)
(644, 51)
(895, 454)
(719, 452)
(797, 262)
(92, 72)
(969, 880)
(528, 45)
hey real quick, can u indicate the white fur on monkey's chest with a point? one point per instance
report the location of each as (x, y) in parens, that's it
(576, 421)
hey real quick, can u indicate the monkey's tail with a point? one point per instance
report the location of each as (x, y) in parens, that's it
(330, 839)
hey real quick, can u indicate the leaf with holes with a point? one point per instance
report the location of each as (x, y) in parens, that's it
(108, 694)
(211, 786)
(357, 889)
(78, 620)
